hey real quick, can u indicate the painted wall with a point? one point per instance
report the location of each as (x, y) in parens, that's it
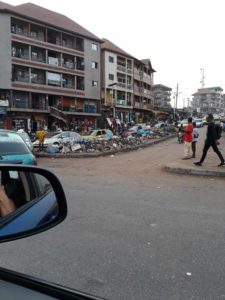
(5, 52)
(90, 56)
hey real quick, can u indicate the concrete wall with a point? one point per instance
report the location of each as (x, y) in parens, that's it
(90, 55)
(5, 52)
(110, 68)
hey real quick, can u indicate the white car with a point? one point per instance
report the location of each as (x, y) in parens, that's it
(199, 122)
(160, 125)
(58, 138)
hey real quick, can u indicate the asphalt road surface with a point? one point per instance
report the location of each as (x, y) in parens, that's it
(133, 230)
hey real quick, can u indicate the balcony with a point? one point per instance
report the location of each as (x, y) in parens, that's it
(68, 82)
(37, 76)
(121, 102)
(122, 85)
(80, 63)
(37, 32)
(37, 54)
(121, 68)
(68, 41)
(20, 51)
(20, 29)
(54, 82)
(79, 44)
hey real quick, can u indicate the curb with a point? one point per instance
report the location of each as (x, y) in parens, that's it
(175, 168)
(97, 154)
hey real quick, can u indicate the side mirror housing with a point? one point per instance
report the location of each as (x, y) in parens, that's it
(32, 200)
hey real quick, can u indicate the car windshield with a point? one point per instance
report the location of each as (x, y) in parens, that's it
(12, 144)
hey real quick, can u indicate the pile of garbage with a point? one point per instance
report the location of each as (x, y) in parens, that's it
(103, 145)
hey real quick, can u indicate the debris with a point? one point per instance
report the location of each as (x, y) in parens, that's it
(153, 224)
(188, 274)
(112, 155)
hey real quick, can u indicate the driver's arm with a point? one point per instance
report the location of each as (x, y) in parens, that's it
(6, 204)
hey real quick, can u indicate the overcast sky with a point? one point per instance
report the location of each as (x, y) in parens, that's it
(180, 37)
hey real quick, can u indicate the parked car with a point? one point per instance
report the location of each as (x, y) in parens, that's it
(43, 207)
(98, 134)
(199, 122)
(160, 125)
(25, 136)
(58, 138)
(13, 149)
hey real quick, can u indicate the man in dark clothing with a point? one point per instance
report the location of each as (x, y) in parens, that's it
(211, 141)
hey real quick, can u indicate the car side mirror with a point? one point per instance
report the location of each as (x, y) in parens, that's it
(32, 200)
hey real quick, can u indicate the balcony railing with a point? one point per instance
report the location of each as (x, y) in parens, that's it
(24, 78)
(121, 68)
(69, 65)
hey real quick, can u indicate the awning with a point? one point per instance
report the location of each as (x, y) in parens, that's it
(160, 112)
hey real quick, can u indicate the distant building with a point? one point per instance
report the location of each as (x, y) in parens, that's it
(162, 96)
(207, 100)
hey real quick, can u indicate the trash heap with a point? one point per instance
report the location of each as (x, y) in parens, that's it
(117, 143)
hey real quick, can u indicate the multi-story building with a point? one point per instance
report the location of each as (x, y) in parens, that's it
(49, 69)
(126, 84)
(162, 96)
(207, 100)
(143, 90)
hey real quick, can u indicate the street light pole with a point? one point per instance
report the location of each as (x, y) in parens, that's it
(113, 94)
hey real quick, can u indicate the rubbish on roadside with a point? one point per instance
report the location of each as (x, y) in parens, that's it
(75, 147)
(188, 274)
(101, 145)
(112, 155)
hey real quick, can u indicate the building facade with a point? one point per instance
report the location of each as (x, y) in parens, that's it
(50, 70)
(143, 90)
(207, 100)
(126, 85)
(162, 96)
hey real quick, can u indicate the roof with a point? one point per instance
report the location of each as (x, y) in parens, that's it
(108, 45)
(43, 15)
(205, 91)
(147, 62)
(161, 86)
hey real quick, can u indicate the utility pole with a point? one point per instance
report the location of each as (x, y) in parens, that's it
(175, 104)
(177, 95)
(202, 78)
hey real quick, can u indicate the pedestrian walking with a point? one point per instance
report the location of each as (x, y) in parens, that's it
(187, 137)
(195, 135)
(211, 141)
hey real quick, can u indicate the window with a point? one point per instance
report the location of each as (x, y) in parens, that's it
(94, 83)
(111, 59)
(111, 77)
(94, 47)
(94, 65)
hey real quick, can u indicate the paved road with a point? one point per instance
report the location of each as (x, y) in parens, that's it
(134, 231)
